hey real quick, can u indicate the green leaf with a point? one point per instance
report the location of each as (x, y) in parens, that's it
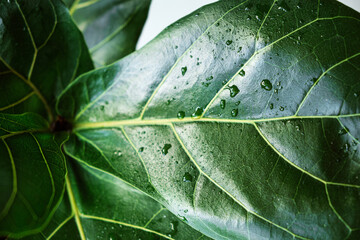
(99, 205)
(111, 28)
(241, 117)
(32, 174)
(41, 53)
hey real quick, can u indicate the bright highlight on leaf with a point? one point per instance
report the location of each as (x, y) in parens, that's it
(239, 121)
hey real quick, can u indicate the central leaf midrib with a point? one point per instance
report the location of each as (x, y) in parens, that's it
(167, 121)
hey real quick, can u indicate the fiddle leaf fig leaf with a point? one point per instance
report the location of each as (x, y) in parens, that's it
(32, 174)
(242, 118)
(41, 52)
(111, 28)
(99, 205)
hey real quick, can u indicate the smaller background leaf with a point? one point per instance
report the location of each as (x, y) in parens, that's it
(111, 28)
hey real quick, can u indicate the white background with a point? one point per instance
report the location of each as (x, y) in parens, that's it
(164, 12)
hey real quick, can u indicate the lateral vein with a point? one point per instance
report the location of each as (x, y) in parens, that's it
(224, 190)
(125, 224)
(14, 191)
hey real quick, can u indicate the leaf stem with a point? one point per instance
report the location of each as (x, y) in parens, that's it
(74, 208)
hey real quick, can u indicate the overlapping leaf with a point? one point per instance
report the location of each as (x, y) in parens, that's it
(111, 28)
(241, 118)
(32, 174)
(101, 206)
(41, 52)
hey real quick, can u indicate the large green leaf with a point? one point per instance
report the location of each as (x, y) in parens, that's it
(41, 52)
(32, 172)
(99, 206)
(242, 118)
(111, 27)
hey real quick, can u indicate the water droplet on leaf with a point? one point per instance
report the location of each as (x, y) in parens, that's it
(228, 42)
(198, 112)
(187, 177)
(183, 218)
(234, 112)
(118, 153)
(234, 90)
(169, 101)
(165, 149)
(222, 104)
(183, 70)
(180, 114)
(266, 84)
(343, 131)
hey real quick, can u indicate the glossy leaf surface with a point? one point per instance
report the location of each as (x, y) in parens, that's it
(32, 174)
(101, 206)
(242, 118)
(41, 52)
(111, 28)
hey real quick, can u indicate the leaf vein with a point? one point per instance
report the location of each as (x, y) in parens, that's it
(17, 102)
(334, 210)
(74, 208)
(14, 191)
(140, 157)
(125, 224)
(299, 168)
(50, 173)
(321, 76)
(224, 190)
(118, 30)
(181, 57)
(60, 226)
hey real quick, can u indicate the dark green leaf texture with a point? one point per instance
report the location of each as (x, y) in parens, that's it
(111, 27)
(101, 206)
(242, 118)
(41, 52)
(32, 172)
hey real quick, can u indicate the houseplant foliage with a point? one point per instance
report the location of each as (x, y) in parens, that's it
(110, 27)
(239, 121)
